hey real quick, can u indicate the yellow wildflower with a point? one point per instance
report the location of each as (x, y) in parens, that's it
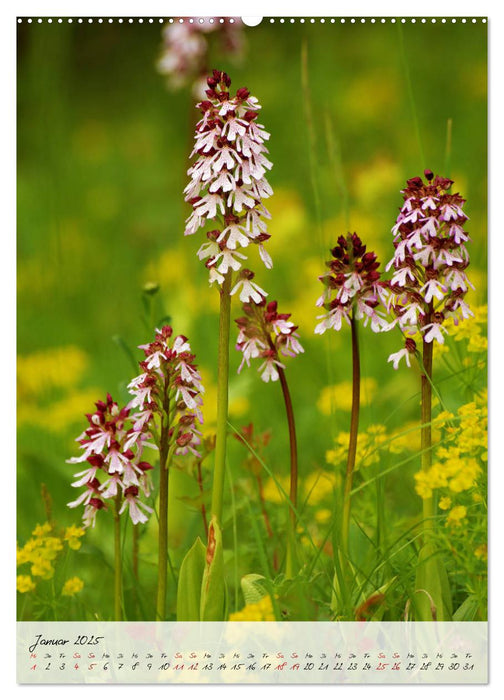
(323, 515)
(481, 552)
(456, 515)
(477, 343)
(43, 568)
(272, 493)
(49, 547)
(22, 555)
(445, 503)
(319, 485)
(57, 416)
(24, 584)
(471, 326)
(72, 586)
(466, 475)
(407, 438)
(238, 403)
(43, 370)
(368, 447)
(457, 465)
(72, 536)
(262, 611)
(42, 530)
(443, 417)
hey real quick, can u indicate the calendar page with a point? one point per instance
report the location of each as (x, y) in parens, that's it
(252, 350)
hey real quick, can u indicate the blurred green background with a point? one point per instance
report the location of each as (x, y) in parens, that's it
(103, 150)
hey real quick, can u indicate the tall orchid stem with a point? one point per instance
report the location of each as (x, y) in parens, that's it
(134, 550)
(163, 521)
(200, 486)
(426, 433)
(293, 490)
(117, 560)
(222, 399)
(352, 444)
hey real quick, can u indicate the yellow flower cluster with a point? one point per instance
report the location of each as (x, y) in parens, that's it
(57, 415)
(48, 385)
(43, 370)
(272, 492)
(368, 447)
(458, 460)
(24, 584)
(372, 442)
(320, 485)
(456, 515)
(316, 487)
(481, 552)
(72, 586)
(72, 536)
(262, 611)
(473, 330)
(41, 552)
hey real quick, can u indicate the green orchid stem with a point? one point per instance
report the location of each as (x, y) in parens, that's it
(164, 474)
(117, 560)
(352, 444)
(293, 490)
(426, 432)
(222, 399)
(134, 551)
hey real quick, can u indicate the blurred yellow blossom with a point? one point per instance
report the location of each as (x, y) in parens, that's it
(24, 584)
(262, 611)
(58, 415)
(72, 586)
(41, 371)
(42, 549)
(72, 536)
(289, 214)
(42, 568)
(445, 502)
(238, 403)
(481, 552)
(339, 396)
(405, 438)
(272, 493)
(457, 465)
(42, 530)
(319, 485)
(376, 179)
(368, 447)
(323, 515)
(172, 270)
(456, 514)
(473, 329)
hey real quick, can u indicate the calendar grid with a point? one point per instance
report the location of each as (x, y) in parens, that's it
(324, 653)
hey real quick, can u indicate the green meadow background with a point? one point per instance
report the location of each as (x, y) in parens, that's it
(103, 149)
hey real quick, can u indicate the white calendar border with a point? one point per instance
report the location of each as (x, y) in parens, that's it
(368, 9)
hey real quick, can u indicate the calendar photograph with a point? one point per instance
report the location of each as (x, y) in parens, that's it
(252, 349)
